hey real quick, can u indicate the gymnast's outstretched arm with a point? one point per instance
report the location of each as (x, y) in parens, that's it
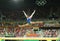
(25, 14)
(32, 14)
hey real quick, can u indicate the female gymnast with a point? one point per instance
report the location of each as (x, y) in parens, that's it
(29, 17)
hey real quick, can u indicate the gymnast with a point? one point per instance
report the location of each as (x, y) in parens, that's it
(29, 17)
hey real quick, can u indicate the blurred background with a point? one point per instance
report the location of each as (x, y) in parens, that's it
(47, 14)
(12, 9)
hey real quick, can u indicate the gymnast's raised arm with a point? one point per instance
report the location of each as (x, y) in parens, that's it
(32, 14)
(25, 14)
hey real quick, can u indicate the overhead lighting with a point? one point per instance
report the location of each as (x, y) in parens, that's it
(18, 0)
(15, 0)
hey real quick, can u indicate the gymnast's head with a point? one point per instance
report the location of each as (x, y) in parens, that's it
(28, 16)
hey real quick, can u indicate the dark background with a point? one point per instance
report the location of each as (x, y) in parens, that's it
(12, 10)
